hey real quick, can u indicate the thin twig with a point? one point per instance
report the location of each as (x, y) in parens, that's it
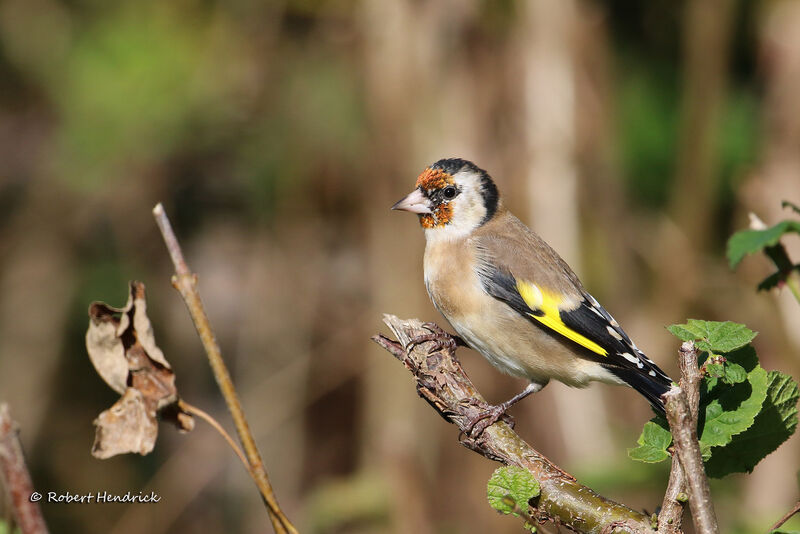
(186, 283)
(442, 382)
(675, 498)
(194, 410)
(785, 518)
(687, 449)
(17, 479)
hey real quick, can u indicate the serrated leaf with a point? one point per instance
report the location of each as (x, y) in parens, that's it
(682, 332)
(786, 204)
(749, 241)
(653, 443)
(734, 373)
(510, 485)
(715, 370)
(775, 423)
(713, 336)
(730, 410)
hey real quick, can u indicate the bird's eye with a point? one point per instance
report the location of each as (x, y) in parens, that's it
(449, 192)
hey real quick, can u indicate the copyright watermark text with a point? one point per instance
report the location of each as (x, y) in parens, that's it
(94, 497)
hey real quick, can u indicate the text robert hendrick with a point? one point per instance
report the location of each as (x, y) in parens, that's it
(96, 496)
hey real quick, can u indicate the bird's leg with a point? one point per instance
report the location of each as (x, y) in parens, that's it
(480, 422)
(440, 338)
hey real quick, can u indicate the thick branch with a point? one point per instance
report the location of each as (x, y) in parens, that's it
(16, 478)
(442, 382)
(186, 283)
(669, 519)
(684, 435)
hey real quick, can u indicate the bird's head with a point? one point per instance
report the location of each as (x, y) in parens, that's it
(453, 196)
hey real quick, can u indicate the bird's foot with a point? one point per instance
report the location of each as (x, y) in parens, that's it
(489, 415)
(440, 338)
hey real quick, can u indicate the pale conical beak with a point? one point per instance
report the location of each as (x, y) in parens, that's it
(415, 202)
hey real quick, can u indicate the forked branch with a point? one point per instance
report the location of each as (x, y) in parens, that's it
(185, 282)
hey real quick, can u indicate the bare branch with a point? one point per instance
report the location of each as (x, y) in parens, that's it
(443, 383)
(675, 498)
(205, 416)
(683, 425)
(785, 518)
(186, 283)
(17, 479)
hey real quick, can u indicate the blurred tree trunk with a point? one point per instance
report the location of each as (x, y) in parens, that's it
(400, 38)
(549, 49)
(777, 178)
(706, 43)
(37, 284)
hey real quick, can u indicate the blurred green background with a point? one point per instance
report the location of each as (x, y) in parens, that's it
(634, 136)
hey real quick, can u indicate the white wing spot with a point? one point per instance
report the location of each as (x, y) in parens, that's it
(652, 373)
(628, 356)
(595, 307)
(614, 333)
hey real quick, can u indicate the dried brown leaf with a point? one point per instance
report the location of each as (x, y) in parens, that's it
(123, 350)
(105, 345)
(128, 426)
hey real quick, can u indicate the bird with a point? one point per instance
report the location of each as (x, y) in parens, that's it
(512, 298)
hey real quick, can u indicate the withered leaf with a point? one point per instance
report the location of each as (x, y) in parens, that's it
(123, 350)
(128, 426)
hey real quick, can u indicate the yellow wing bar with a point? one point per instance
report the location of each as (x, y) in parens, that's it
(547, 303)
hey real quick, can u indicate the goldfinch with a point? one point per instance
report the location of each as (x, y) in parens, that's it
(511, 297)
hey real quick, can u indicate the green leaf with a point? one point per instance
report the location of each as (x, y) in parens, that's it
(715, 370)
(653, 444)
(786, 204)
(682, 332)
(730, 410)
(734, 373)
(509, 486)
(750, 241)
(784, 531)
(775, 423)
(713, 336)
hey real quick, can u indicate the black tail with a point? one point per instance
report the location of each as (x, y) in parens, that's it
(651, 387)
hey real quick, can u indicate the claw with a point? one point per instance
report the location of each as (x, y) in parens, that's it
(440, 338)
(490, 414)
